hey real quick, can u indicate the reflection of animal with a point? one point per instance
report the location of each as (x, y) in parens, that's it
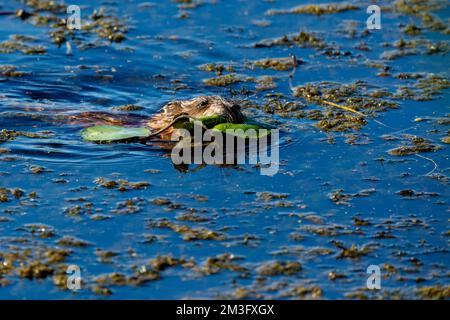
(162, 122)
(199, 107)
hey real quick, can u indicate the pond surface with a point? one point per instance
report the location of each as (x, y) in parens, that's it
(138, 227)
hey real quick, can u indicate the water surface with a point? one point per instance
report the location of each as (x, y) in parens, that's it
(295, 220)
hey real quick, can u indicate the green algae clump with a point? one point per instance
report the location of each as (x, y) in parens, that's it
(222, 81)
(317, 9)
(416, 145)
(280, 268)
(280, 64)
(435, 292)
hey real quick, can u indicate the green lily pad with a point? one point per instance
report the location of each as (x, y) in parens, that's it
(113, 133)
(241, 130)
(209, 122)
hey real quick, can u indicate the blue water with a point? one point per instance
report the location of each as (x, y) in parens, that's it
(161, 52)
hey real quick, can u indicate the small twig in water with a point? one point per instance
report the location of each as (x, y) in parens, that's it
(429, 159)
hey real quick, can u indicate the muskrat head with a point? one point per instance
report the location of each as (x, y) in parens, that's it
(198, 107)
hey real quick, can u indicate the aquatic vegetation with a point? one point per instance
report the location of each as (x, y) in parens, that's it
(113, 133)
(218, 68)
(281, 64)
(41, 230)
(121, 185)
(35, 270)
(128, 107)
(37, 169)
(342, 198)
(426, 87)
(222, 81)
(414, 145)
(411, 193)
(70, 241)
(301, 291)
(339, 197)
(246, 131)
(412, 30)
(352, 98)
(333, 275)
(269, 196)
(341, 122)
(353, 252)
(106, 26)
(417, 7)
(12, 46)
(317, 9)
(190, 234)
(265, 83)
(161, 201)
(280, 268)
(303, 39)
(7, 135)
(437, 292)
(224, 261)
(100, 24)
(283, 107)
(11, 71)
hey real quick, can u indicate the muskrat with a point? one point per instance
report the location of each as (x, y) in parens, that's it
(162, 122)
(199, 107)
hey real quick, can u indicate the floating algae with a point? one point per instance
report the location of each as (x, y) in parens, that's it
(240, 277)
(121, 185)
(302, 39)
(6, 135)
(280, 268)
(280, 64)
(222, 81)
(218, 68)
(446, 139)
(412, 30)
(10, 71)
(70, 241)
(353, 252)
(224, 261)
(317, 9)
(434, 292)
(411, 193)
(189, 233)
(128, 107)
(415, 145)
(265, 83)
(52, 14)
(269, 196)
(340, 97)
(302, 292)
(12, 46)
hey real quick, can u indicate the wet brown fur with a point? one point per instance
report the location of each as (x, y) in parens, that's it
(198, 107)
(195, 108)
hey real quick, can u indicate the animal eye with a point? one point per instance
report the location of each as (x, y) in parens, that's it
(203, 103)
